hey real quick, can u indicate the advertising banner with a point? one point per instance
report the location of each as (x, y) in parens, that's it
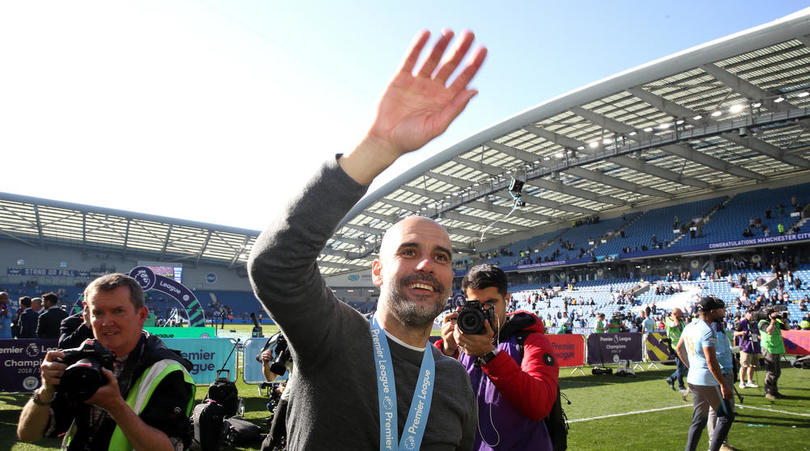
(253, 369)
(610, 348)
(182, 332)
(21, 358)
(797, 342)
(148, 280)
(569, 350)
(207, 355)
(656, 350)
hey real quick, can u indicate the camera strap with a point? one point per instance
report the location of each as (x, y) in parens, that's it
(387, 394)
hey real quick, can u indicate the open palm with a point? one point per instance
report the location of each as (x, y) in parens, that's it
(416, 108)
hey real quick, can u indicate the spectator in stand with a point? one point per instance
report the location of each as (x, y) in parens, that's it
(805, 324)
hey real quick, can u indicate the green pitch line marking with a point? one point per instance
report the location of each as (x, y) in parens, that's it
(772, 410)
(629, 413)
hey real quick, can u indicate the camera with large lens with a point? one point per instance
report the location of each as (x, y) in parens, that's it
(471, 318)
(765, 314)
(83, 375)
(282, 352)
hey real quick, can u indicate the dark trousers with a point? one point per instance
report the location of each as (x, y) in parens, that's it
(679, 374)
(278, 427)
(773, 371)
(704, 397)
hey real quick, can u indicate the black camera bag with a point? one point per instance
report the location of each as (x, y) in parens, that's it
(240, 432)
(207, 418)
(224, 392)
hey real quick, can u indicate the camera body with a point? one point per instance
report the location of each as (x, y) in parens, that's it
(83, 376)
(471, 318)
(765, 314)
(282, 352)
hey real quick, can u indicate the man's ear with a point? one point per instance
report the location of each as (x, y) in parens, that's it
(143, 312)
(508, 297)
(376, 272)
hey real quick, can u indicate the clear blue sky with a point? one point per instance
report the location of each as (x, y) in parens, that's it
(198, 110)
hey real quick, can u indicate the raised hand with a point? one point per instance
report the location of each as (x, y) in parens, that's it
(417, 107)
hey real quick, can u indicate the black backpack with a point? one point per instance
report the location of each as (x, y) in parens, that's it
(208, 417)
(556, 421)
(223, 391)
(207, 420)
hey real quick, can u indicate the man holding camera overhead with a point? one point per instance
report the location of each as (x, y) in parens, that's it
(143, 393)
(773, 346)
(509, 360)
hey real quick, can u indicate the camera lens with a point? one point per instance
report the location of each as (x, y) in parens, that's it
(471, 322)
(82, 379)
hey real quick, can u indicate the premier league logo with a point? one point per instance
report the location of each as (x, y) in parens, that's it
(410, 443)
(32, 350)
(387, 404)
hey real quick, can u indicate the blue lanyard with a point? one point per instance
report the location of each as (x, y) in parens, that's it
(387, 394)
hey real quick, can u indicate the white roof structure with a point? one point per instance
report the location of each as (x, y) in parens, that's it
(730, 114)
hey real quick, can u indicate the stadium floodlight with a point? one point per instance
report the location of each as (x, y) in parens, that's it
(633, 133)
(698, 117)
(593, 144)
(665, 125)
(679, 122)
(581, 148)
(736, 108)
(716, 113)
(803, 94)
(607, 141)
(779, 99)
(648, 129)
(756, 104)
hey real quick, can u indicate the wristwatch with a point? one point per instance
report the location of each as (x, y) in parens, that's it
(484, 359)
(38, 401)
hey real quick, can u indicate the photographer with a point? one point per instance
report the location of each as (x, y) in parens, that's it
(747, 333)
(516, 384)
(143, 392)
(770, 331)
(276, 360)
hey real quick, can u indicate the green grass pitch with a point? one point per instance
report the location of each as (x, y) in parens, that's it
(662, 424)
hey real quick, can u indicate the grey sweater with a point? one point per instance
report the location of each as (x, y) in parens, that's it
(334, 404)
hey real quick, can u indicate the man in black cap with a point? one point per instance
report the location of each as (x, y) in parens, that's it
(697, 348)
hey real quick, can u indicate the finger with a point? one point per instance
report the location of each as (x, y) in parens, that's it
(454, 108)
(435, 55)
(460, 49)
(412, 56)
(474, 63)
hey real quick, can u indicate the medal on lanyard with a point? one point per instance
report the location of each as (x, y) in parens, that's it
(387, 395)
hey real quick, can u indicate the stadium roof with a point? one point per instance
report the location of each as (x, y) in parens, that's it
(732, 114)
(39, 222)
(729, 114)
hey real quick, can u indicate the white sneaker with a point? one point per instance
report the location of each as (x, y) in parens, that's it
(751, 385)
(742, 385)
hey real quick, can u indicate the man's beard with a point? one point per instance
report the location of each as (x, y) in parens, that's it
(413, 313)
